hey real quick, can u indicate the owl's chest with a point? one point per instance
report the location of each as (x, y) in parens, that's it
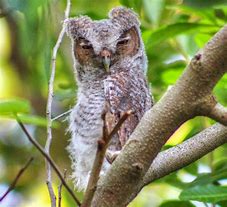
(86, 115)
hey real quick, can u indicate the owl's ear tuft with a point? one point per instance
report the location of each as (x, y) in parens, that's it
(124, 16)
(77, 26)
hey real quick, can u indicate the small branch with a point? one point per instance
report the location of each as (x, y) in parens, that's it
(48, 108)
(219, 114)
(61, 115)
(13, 184)
(99, 158)
(49, 159)
(60, 189)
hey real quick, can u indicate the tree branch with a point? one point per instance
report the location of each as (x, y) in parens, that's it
(190, 97)
(184, 154)
(49, 159)
(13, 184)
(48, 108)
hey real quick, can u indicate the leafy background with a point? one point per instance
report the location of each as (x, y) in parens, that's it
(173, 31)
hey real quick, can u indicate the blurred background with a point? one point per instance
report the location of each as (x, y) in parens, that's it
(173, 31)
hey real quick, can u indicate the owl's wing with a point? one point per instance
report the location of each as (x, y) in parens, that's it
(125, 92)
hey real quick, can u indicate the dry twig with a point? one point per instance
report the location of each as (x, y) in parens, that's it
(49, 159)
(48, 108)
(13, 184)
(60, 190)
(61, 115)
(99, 158)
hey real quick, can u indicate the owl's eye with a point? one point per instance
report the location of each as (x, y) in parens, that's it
(128, 43)
(83, 51)
(124, 41)
(86, 47)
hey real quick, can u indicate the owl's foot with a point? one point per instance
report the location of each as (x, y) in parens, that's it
(111, 156)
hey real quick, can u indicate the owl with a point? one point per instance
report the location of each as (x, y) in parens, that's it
(110, 66)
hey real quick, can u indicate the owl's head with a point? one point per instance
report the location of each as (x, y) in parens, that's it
(105, 44)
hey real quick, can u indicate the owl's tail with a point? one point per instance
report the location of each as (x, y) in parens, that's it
(82, 156)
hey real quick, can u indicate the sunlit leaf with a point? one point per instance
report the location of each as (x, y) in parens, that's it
(173, 30)
(180, 134)
(220, 164)
(170, 76)
(35, 120)
(9, 106)
(153, 10)
(207, 193)
(176, 204)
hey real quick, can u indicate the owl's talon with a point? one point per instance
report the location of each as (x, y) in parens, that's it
(111, 156)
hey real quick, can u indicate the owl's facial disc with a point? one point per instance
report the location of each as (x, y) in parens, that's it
(84, 52)
(128, 43)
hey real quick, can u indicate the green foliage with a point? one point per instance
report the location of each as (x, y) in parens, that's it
(172, 30)
(12, 106)
(205, 193)
(176, 204)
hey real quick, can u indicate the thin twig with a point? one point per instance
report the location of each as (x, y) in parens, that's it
(49, 159)
(60, 189)
(48, 108)
(61, 115)
(99, 158)
(13, 184)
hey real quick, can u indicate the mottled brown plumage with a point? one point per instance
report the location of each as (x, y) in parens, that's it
(110, 67)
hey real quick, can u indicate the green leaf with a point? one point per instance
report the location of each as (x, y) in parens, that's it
(209, 178)
(32, 119)
(134, 4)
(173, 30)
(170, 76)
(222, 203)
(36, 120)
(207, 193)
(173, 180)
(176, 203)
(10, 106)
(204, 3)
(153, 10)
(220, 164)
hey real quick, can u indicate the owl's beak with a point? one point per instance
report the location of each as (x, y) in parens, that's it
(106, 55)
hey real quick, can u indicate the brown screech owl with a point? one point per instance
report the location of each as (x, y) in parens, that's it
(110, 65)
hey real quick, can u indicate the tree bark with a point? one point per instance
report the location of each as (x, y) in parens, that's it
(184, 154)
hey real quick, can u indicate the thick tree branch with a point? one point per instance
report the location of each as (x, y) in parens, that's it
(219, 113)
(13, 184)
(48, 108)
(186, 153)
(190, 97)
